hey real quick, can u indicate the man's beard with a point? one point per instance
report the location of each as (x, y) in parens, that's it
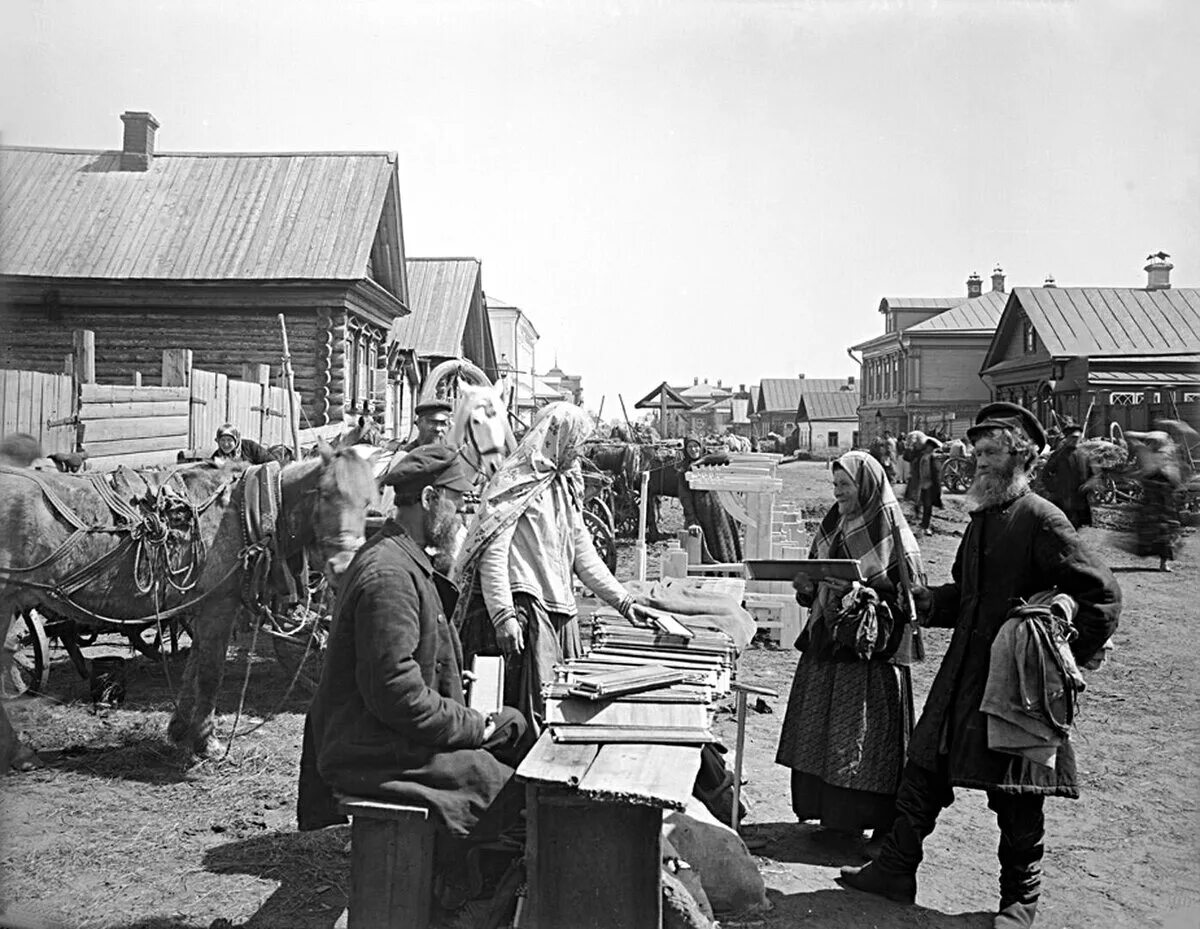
(995, 488)
(442, 525)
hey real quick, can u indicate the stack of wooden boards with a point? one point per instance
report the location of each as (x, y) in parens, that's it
(638, 685)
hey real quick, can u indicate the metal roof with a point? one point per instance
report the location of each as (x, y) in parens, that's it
(1098, 321)
(782, 394)
(918, 303)
(1145, 378)
(303, 216)
(979, 314)
(705, 391)
(824, 406)
(440, 291)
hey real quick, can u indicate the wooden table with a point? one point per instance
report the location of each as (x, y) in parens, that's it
(594, 812)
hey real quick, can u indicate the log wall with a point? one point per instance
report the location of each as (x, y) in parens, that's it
(36, 338)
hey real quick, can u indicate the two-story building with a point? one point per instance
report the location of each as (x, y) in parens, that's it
(923, 372)
(515, 339)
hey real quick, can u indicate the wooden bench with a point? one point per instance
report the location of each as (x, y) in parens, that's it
(391, 864)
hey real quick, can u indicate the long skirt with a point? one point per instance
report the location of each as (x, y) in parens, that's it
(722, 543)
(549, 639)
(845, 736)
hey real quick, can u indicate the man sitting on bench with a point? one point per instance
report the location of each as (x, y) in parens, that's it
(388, 720)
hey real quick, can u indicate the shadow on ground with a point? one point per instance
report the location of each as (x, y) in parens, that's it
(313, 870)
(850, 908)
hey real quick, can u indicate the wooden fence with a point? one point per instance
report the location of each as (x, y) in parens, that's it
(136, 425)
(41, 405)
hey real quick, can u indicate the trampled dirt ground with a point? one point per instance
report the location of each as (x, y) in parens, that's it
(117, 831)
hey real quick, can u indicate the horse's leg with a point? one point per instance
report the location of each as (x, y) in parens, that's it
(192, 725)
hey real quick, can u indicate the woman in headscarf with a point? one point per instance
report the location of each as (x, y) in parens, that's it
(522, 550)
(702, 508)
(232, 447)
(848, 721)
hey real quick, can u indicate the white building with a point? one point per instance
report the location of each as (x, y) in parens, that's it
(515, 339)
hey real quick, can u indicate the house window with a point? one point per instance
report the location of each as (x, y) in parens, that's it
(1125, 397)
(854, 439)
(1030, 339)
(833, 440)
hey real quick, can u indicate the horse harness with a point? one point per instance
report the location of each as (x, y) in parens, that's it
(161, 536)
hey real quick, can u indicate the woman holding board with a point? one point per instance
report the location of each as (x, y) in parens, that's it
(850, 714)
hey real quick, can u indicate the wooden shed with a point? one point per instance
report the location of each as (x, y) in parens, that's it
(155, 251)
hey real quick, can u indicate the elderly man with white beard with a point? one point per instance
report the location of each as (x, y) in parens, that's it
(389, 720)
(1016, 546)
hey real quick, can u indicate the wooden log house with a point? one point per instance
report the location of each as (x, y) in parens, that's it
(154, 251)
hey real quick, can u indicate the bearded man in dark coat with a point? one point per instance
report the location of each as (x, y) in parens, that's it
(1017, 545)
(388, 720)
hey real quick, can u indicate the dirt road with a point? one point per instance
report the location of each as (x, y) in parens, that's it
(115, 832)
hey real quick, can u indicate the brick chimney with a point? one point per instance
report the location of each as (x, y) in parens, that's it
(800, 375)
(1158, 271)
(997, 280)
(850, 380)
(137, 148)
(1049, 281)
(974, 285)
(695, 382)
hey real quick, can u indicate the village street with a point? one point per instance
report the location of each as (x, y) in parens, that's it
(116, 832)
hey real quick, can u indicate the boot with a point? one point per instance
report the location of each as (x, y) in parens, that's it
(1015, 916)
(873, 879)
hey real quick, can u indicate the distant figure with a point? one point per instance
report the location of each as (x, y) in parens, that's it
(433, 422)
(19, 450)
(232, 447)
(1157, 526)
(1067, 471)
(927, 473)
(721, 542)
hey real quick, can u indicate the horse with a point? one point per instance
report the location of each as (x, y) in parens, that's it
(147, 545)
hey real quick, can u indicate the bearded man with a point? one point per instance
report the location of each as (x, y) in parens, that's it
(433, 422)
(1017, 545)
(388, 720)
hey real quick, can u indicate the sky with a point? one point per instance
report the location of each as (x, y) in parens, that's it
(680, 190)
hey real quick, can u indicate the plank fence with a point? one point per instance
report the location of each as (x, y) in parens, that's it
(41, 405)
(140, 426)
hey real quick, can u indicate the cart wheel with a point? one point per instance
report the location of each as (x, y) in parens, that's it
(603, 538)
(27, 656)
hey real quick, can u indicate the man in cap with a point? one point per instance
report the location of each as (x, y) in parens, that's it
(1067, 471)
(388, 719)
(1016, 545)
(433, 422)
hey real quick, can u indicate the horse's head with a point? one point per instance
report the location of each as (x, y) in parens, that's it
(481, 429)
(338, 487)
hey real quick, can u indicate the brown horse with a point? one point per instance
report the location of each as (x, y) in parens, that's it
(77, 547)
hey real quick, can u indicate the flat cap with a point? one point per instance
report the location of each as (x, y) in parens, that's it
(1003, 415)
(436, 405)
(429, 466)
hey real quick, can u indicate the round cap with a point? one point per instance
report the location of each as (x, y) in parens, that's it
(429, 466)
(1004, 415)
(436, 405)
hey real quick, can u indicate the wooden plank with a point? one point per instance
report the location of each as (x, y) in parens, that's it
(603, 735)
(5, 426)
(616, 885)
(548, 763)
(142, 427)
(24, 402)
(620, 713)
(137, 446)
(655, 775)
(176, 367)
(132, 409)
(135, 460)
(125, 393)
(487, 689)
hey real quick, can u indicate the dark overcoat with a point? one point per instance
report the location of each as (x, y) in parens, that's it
(1008, 553)
(388, 719)
(1064, 476)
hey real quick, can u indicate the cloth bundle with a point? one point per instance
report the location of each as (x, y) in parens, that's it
(1033, 680)
(862, 626)
(700, 609)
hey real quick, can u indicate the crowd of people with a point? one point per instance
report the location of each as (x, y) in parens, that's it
(432, 590)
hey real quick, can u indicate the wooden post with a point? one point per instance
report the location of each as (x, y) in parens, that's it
(643, 514)
(137, 378)
(256, 373)
(662, 411)
(83, 346)
(177, 367)
(290, 382)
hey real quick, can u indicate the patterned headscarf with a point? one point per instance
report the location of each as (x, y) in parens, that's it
(541, 480)
(868, 534)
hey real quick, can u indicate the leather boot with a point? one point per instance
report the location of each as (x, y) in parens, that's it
(1015, 916)
(874, 879)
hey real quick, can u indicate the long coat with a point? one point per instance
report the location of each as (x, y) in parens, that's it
(1008, 553)
(388, 719)
(1066, 471)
